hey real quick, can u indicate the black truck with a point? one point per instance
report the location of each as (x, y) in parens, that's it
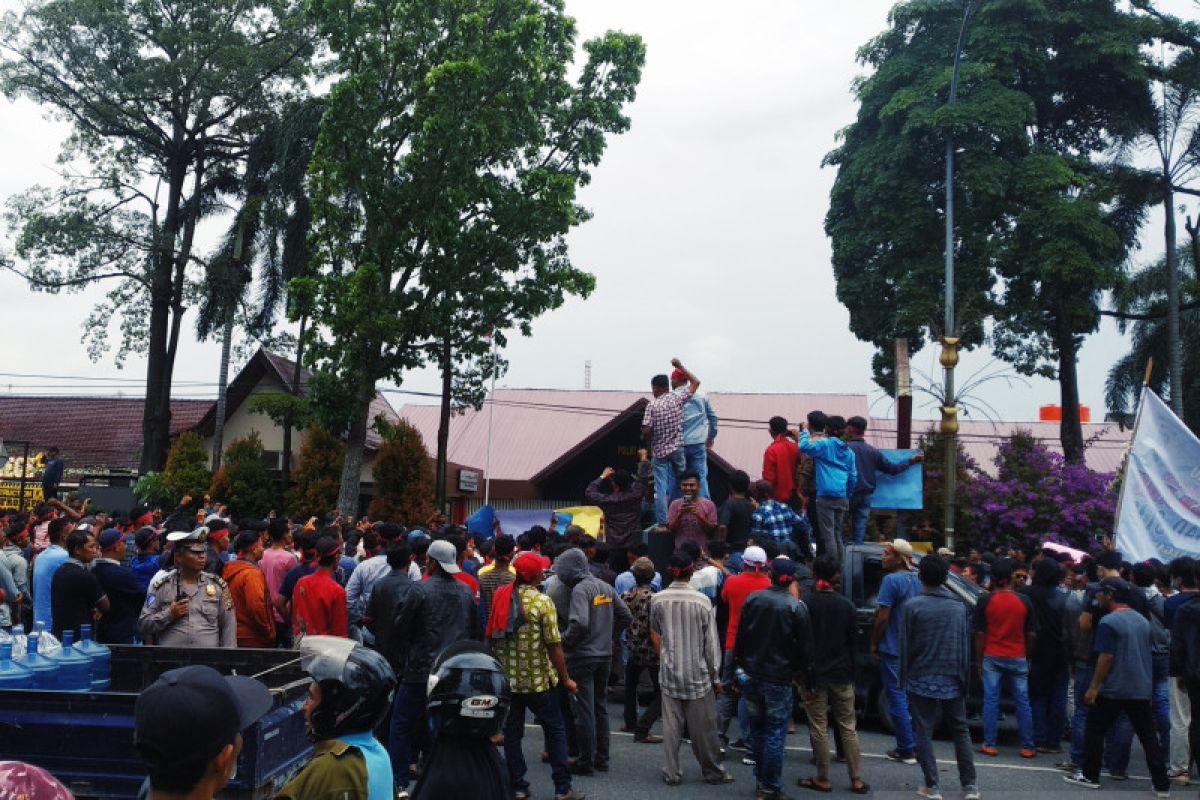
(85, 739)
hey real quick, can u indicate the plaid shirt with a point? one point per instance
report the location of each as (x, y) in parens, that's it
(664, 417)
(773, 519)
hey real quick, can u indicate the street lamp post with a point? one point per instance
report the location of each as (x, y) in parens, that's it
(949, 339)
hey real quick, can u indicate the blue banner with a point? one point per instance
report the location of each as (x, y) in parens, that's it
(1159, 513)
(903, 492)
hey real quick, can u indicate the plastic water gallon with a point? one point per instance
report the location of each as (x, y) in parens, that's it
(74, 668)
(99, 655)
(12, 674)
(45, 671)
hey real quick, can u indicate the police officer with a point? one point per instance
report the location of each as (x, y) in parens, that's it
(188, 607)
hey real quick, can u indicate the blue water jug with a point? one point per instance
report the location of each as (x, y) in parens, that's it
(45, 671)
(12, 674)
(74, 668)
(99, 655)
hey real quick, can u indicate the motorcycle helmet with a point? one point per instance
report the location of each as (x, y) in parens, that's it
(356, 685)
(469, 693)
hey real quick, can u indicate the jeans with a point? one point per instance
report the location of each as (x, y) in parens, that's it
(1048, 700)
(1015, 673)
(641, 725)
(1120, 740)
(832, 511)
(927, 713)
(590, 706)
(695, 459)
(860, 511)
(545, 708)
(731, 704)
(1101, 718)
(769, 706)
(1082, 680)
(889, 668)
(1181, 723)
(666, 482)
(408, 732)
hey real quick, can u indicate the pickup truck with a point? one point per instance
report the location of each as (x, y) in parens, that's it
(85, 739)
(862, 574)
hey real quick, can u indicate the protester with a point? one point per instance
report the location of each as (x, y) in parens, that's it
(834, 622)
(188, 607)
(734, 516)
(897, 587)
(642, 655)
(389, 613)
(45, 565)
(1005, 628)
(13, 562)
(187, 729)
(533, 659)
(774, 647)
(779, 461)
(868, 461)
(1048, 658)
(145, 563)
(619, 495)
(626, 580)
(1183, 576)
(691, 518)
(249, 592)
(11, 597)
(1185, 664)
(76, 596)
(699, 429)
(499, 573)
(684, 631)
(774, 520)
(124, 591)
(277, 561)
(52, 474)
(734, 593)
(1122, 683)
(662, 426)
(836, 477)
(935, 668)
(319, 601)
(369, 572)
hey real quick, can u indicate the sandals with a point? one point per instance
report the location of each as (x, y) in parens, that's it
(725, 778)
(812, 785)
(669, 781)
(862, 788)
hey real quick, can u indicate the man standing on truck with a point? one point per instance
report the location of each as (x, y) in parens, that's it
(898, 586)
(662, 426)
(869, 462)
(837, 475)
(188, 607)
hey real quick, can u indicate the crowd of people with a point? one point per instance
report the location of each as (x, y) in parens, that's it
(746, 622)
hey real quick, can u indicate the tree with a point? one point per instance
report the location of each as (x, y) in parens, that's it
(318, 474)
(404, 484)
(163, 98)
(186, 473)
(243, 482)
(444, 180)
(1045, 218)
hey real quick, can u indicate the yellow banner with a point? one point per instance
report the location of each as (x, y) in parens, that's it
(10, 495)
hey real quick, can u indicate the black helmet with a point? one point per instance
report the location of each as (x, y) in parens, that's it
(469, 693)
(356, 685)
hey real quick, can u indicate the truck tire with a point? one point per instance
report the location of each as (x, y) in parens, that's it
(883, 712)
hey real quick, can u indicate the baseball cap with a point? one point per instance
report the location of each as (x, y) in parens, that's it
(783, 566)
(417, 535)
(902, 547)
(143, 536)
(945, 552)
(678, 375)
(528, 565)
(445, 555)
(20, 780)
(108, 538)
(754, 555)
(1119, 589)
(215, 708)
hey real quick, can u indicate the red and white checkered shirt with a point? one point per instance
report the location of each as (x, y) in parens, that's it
(664, 417)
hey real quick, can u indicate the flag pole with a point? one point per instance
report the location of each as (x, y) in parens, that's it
(1137, 420)
(487, 467)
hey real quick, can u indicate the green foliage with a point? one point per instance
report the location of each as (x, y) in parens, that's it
(285, 410)
(318, 474)
(444, 180)
(186, 473)
(404, 478)
(243, 482)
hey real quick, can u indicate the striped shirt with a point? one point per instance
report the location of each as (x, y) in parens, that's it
(691, 655)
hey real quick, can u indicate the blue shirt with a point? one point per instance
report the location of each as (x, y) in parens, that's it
(869, 461)
(44, 567)
(625, 582)
(837, 472)
(699, 421)
(1125, 635)
(896, 589)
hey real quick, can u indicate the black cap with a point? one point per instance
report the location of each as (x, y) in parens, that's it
(189, 714)
(783, 566)
(1119, 589)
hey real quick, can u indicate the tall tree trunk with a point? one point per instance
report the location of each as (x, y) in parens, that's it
(1071, 431)
(356, 441)
(286, 476)
(1174, 345)
(222, 386)
(443, 439)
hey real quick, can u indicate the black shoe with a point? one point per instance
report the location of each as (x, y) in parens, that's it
(582, 769)
(601, 766)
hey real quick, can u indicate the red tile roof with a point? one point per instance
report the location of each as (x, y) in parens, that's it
(94, 433)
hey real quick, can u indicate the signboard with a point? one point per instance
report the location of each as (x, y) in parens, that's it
(10, 495)
(468, 480)
(903, 492)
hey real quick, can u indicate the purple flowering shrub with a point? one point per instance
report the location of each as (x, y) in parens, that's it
(1036, 496)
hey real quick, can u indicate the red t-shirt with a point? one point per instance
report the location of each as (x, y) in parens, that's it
(1004, 617)
(735, 592)
(319, 606)
(779, 467)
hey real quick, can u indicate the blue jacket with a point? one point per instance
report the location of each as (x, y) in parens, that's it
(699, 421)
(837, 473)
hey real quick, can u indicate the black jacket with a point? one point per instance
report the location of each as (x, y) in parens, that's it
(1185, 642)
(448, 615)
(774, 638)
(834, 628)
(395, 604)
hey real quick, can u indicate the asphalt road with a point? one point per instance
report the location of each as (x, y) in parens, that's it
(636, 771)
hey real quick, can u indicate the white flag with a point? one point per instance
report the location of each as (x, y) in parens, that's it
(1159, 513)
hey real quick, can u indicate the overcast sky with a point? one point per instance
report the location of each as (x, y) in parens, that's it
(707, 241)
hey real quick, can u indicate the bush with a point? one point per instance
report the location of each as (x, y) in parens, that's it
(318, 474)
(186, 473)
(243, 482)
(1037, 496)
(404, 483)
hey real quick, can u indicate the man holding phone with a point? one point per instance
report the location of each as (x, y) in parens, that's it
(692, 518)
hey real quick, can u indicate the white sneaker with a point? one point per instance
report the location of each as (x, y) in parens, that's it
(929, 793)
(1078, 779)
(970, 793)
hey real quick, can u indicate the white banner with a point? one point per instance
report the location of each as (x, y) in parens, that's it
(1159, 513)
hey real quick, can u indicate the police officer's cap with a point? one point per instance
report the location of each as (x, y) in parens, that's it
(187, 539)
